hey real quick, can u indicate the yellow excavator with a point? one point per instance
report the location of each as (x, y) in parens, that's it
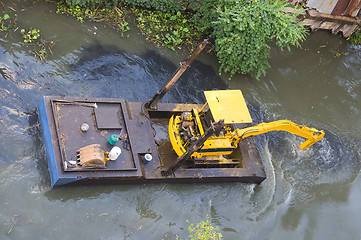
(229, 108)
(208, 136)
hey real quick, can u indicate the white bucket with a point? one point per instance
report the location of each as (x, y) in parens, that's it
(114, 153)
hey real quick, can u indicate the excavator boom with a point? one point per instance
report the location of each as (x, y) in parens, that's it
(313, 135)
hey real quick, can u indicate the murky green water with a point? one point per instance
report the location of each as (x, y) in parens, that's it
(312, 194)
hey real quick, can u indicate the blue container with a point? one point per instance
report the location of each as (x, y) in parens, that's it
(147, 158)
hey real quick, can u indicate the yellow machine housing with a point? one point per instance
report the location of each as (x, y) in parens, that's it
(230, 106)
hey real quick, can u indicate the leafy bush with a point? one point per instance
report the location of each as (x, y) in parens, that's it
(244, 29)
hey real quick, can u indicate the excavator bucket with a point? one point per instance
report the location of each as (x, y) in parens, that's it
(91, 156)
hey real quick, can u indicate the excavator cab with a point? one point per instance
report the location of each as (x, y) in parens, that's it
(187, 127)
(229, 107)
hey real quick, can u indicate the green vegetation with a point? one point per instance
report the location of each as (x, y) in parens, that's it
(44, 48)
(3, 26)
(355, 38)
(204, 231)
(157, 5)
(91, 3)
(241, 30)
(75, 11)
(114, 16)
(166, 29)
(31, 35)
(7, 22)
(244, 30)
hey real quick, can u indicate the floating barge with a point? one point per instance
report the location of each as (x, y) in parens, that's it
(61, 118)
(113, 141)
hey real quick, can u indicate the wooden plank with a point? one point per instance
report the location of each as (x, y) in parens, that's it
(317, 15)
(292, 10)
(315, 25)
(336, 28)
(308, 22)
(316, 20)
(327, 25)
(349, 30)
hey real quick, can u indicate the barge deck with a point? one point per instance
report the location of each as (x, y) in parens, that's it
(61, 119)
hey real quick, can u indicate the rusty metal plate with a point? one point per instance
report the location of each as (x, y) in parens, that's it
(68, 118)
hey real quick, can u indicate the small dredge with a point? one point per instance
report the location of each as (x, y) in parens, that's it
(112, 141)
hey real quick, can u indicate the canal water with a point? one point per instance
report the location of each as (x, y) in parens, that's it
(308, 194)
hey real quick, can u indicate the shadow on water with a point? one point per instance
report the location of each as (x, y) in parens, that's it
(74, 193)
(120, 73)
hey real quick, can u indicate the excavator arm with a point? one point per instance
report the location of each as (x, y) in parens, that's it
(313, 135)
